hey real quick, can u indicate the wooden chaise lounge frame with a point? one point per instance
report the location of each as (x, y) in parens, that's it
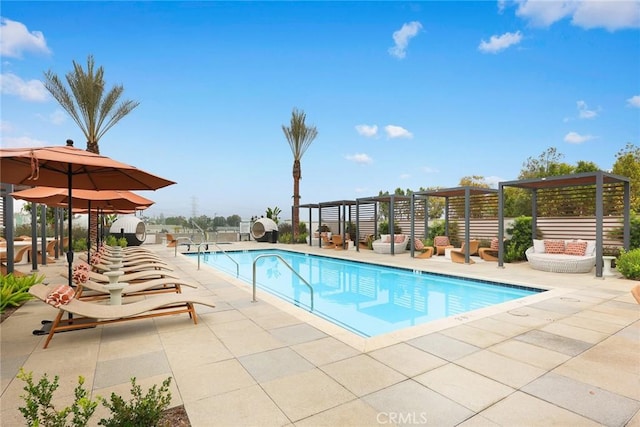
(89, 314)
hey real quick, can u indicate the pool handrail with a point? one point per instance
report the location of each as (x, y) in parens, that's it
(178, 239)
(221, 250)
(288, 266)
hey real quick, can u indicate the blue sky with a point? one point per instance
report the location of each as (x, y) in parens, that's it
(403, 94)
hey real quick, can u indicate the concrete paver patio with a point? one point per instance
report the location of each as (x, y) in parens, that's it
(569, 356)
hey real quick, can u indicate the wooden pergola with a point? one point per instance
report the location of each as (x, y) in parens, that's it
(391, 200)
(600, 180)
(467, 192)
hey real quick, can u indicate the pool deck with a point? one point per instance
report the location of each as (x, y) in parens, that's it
(567, 357)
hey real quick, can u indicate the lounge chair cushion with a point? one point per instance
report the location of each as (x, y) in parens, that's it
(60, 295)
(575, 248)
(398, 238)
(554, 246)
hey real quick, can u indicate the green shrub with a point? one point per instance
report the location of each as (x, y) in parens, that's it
(634, 232)
(122, 242)
(80, 245)
(629, 264)
(302, 228)
(14, 290)
(520, 232)
(111, 240)
(285, 238)
(39, 411)
(141, 410)
(383, 228)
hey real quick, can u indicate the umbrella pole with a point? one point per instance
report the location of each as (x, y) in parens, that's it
(69, 206)
(89, 232)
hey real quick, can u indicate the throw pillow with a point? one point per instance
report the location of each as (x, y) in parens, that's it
(441, 241)
(418, 244)
(554, 246)
(538, 246)
(80, 276)
(494, 244)
(591, 247)
(576, 248)
(398, 238)
(61, 295)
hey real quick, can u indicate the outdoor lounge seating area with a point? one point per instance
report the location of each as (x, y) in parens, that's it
(560, 256)
(89, 314)
(383, 244)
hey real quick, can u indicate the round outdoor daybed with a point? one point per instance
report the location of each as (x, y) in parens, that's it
(560, 263)
(131, 228)
(265, 230)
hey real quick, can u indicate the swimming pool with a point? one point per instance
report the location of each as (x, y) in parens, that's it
(366, 299)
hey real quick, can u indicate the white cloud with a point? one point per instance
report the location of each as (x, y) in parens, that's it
(366, 130)
(405, 176)
(57, 117)
(634, 101)
(584, 112)
(498, 43)
(402, 37)
(397, 132)
(493, 180)
(16, 38)
(576, 138)
(23, 141)
(362, 190)
(32, 90)
(361, 158)
(5, 126)
(429, 169)
(609, 14)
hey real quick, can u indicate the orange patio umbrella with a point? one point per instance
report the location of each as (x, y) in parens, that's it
(110, 200)
(72, 168)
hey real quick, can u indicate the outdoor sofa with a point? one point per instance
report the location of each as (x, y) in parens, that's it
(383, 244)
(562, 256)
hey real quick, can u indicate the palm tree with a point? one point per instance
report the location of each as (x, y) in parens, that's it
(93, 110)
(300, 136)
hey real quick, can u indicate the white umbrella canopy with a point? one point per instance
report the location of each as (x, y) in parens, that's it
(69, 167)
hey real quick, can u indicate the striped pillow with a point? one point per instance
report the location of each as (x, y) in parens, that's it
(554, 246)
(576, 248)
(494, 244)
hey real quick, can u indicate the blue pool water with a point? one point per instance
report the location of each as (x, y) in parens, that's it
(365, 298)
